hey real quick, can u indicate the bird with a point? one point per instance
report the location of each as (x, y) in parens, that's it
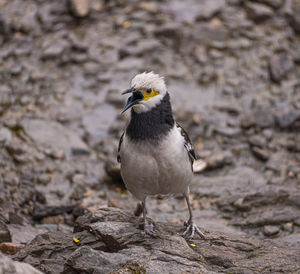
(155, 152)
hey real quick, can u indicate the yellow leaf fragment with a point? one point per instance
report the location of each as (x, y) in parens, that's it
(76, 240)
(192, 245)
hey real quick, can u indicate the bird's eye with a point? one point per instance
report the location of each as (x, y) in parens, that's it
(149, 90)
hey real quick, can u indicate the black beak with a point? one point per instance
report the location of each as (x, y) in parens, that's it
(134, 99)
(127, 91)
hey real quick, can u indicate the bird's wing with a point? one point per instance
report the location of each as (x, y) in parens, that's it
(119, 148)
(187, 144)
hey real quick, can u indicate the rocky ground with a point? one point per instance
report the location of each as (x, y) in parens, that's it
(233, 71)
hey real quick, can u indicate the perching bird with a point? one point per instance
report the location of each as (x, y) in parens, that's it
(155, 153)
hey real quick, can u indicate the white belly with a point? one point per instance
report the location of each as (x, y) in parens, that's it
(156, 169)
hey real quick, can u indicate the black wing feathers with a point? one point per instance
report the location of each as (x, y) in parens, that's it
(120, 143)
(188, 144)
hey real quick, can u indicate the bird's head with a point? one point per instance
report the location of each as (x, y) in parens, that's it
(147, 90)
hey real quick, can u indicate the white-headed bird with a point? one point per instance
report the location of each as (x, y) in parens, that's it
(155, 153)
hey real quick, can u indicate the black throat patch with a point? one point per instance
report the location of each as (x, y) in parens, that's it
(153, 124)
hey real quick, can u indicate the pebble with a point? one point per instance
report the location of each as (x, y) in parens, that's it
(79, 8)
(257, 140)
(292, 11)
(10, 248)
(5, 136)
(55, 50)
(279, 66)
(218, 159)
(263, 117)
(260, 153)
(258, 12)
(209, 8)
(115, 98)
(270, 230)
(5, 235)
(286, 115)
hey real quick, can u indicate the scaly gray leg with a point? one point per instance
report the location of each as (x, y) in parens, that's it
(148, 227)
(191, 226)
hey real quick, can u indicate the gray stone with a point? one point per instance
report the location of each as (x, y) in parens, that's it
(54, 135)
(5, 235)
(111, 240)
(263, 117)
(115, 98)
(257, 140)
(272, 3)
(5, 136)
(260, 153)
(258, 12)
(292, 12)
(286, 115)
(209, 8)
(79, 8)
(7, 266)
(279, 66)
(55, 50)
(97, 122)
(270, 230)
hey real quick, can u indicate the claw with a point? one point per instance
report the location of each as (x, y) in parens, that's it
(191, 229)
(149, 230)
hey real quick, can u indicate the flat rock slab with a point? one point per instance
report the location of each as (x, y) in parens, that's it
(110, 240)
(7, 265)
(54, 135)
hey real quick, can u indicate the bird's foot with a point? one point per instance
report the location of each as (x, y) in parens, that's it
(149, 230)
(191, 228)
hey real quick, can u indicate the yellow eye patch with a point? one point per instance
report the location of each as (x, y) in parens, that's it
(147, 95)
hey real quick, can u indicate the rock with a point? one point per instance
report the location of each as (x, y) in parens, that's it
(247, 121)
(55, 135)
(272, 3)
(270, 230)
(97, 122)
(7, 265)
(79, 8)
(286, 115)
(111, 240)
(218, 160)
(257, 140)
(169, 31)
(189, 11)
(55, 50)
(130, 63)
(258, 12)
(4, 233)
(10, 248)
(15, 218)
(295, 51)
(236, 180)
(143, 47)
(22, 234)
(115, 98)
(279, 66)
(209, 8)
(262, 117)
(260, 153)
(5, 136)
(228, 131)
(292, 13)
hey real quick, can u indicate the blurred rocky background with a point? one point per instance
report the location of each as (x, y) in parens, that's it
(233, 71)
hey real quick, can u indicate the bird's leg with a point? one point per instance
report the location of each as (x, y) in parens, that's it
(148, 227)
(191, 227)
